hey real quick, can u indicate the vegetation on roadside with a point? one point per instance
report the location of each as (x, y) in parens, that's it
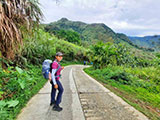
(17, 86)
(43, 46)
(136, 79)
(139, 86)
(131, 73)
(103, 54)
(17, 18)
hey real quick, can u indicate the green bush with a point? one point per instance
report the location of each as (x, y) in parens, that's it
(70, 50)
(147, 78)
(133, 84)
(116, 74)
(38, 47)
(17, 86)
(43, 46)
(68, 35)
(103, 54)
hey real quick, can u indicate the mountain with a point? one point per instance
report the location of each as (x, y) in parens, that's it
(88, 32)
(147, 41)
(91, 33)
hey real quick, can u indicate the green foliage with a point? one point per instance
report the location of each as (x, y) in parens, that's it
(147, 78)
(71, 51)
(113, 74)
(17, 86)
(66, 63)
(68, 35)
(12, 103)
(91, 33)
(38, 48)
(103, 54)
(14, 15)
(158, 54)
(138, 46)
(150, 75)
(142, 84)
(150, 42)
(44, 46)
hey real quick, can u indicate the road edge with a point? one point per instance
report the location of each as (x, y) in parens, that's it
(138, 114)
(76, 105)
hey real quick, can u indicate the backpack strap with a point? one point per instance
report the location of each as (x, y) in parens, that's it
(57, 70)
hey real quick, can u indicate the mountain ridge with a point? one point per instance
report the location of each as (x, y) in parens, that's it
(83, 29)
(93, 32)
(147, 41)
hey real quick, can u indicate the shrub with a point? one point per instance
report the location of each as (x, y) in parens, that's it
(17, 86)
(116, 54)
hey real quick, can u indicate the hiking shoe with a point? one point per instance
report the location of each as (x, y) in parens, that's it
(57, 108)
(52, 103)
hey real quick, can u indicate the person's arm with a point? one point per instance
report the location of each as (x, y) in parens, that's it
(50, 76)
(53, 76)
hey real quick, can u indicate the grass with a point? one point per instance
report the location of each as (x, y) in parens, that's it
(129, 85)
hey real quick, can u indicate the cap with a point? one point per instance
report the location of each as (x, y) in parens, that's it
(59, 54)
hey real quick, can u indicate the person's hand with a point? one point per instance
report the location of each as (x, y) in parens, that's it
(62, 68)
(49, 79)
(56, 86)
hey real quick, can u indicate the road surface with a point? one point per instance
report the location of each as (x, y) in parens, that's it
(83, 99)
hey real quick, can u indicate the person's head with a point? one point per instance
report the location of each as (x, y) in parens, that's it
(59, 56)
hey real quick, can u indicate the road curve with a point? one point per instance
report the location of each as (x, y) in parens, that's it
(83, 99)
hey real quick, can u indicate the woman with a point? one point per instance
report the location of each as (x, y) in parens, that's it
(56, 84)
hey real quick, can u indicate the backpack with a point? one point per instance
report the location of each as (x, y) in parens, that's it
(47, 69)
(46, 66)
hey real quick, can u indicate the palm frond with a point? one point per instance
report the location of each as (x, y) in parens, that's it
(13, 15)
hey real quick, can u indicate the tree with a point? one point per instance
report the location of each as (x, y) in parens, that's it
(16, 16)
(68, 35)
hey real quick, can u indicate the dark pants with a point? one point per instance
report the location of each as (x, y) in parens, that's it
(60, 92)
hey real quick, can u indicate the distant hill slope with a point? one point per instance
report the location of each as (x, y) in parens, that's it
(90, 33)
(147, 41)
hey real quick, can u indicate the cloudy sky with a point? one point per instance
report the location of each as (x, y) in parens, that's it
(132, 17)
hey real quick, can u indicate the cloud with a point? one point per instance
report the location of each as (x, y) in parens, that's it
(133, 17)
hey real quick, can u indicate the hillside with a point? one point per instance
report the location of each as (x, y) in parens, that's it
(88, 32)
(92, 33)
(147, 41)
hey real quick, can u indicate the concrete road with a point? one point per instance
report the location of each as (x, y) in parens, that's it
(83, 99)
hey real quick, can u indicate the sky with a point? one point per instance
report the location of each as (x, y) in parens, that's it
(131, 17)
